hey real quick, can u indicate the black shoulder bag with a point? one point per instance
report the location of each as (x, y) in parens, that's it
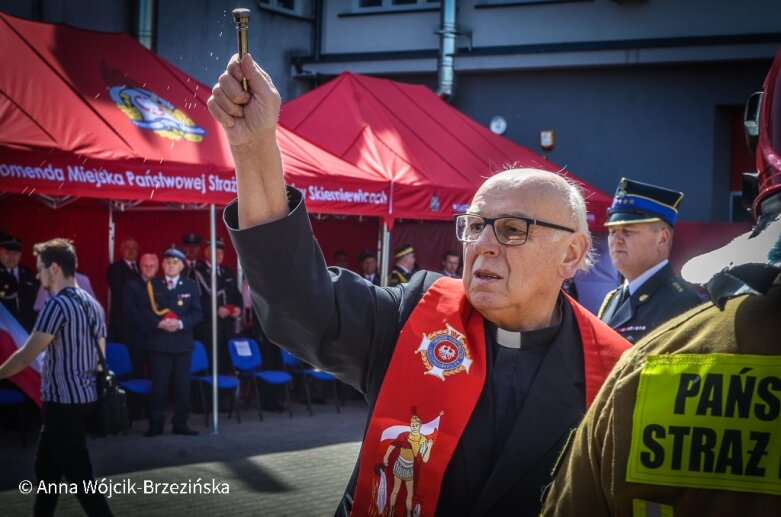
(111, 411)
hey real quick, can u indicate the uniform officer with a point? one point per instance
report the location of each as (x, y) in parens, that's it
(174, 310)
(405, 263)
(640, 224)
(368, 262)
(120, 272)
(135, 303)
(688, 421)
(191, 243)
(228, 302)
(18, 285)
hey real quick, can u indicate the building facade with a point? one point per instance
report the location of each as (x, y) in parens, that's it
(652, 89)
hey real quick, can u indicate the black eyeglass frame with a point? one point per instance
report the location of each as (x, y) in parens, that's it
(490, 221)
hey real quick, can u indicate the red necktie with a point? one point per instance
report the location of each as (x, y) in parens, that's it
(170, 284)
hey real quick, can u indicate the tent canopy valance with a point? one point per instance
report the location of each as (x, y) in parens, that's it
(95, 114)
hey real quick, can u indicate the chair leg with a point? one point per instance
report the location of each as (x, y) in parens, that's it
(257, 398)
(336, 397)
(233, 405)
(308, 398)
(287, 396)
(247, 395)
(203, 405)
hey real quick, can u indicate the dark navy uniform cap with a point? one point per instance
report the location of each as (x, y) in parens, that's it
(172, 252)
(366, 254)
(637, 202)
(10, 243)
(403, 250)
(220, 243)
(191, 239)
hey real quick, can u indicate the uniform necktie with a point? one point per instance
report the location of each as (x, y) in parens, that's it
(170, 284)
(623, 296)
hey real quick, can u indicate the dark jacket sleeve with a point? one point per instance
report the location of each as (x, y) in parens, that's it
(195, 314)
(329, 317)
(134, 302)
(149, 319)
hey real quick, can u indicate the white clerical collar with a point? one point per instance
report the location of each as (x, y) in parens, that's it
(508, 339)
(635, 284)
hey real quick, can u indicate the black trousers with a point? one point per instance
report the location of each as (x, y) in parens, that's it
(62, 451)
(139, 358)
(173, 368)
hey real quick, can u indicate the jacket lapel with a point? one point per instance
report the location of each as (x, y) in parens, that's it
(624, 312)
(557, 394)
(610, 305)
(627, 311)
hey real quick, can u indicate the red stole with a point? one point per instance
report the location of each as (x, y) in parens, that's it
(440, 351)
(602, 347)
(418, 420)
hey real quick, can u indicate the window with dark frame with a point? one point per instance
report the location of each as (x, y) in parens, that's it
(288, 6)
(393, 5)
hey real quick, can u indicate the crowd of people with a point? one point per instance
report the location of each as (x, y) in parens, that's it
(477, 386)
(404, 265)
(474, 386)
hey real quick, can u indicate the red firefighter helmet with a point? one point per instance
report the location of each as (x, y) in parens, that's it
(769, 139)
(752, 261)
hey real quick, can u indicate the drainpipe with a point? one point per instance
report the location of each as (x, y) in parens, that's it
(447, 49)
(146, 23)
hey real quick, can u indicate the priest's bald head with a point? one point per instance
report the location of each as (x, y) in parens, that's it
(513, 274)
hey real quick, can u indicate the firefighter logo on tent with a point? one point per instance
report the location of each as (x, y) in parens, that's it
(148, 110)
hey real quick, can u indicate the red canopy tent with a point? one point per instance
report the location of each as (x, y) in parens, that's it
(87, 114)
(434, 156)
(95, 114)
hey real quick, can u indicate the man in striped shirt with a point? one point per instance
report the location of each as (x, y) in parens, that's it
(67, 327)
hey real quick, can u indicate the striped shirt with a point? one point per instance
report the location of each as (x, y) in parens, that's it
(70, 360)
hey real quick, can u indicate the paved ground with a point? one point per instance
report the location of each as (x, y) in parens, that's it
(277, 467)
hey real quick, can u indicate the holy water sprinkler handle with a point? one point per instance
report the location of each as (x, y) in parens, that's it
(241, 17)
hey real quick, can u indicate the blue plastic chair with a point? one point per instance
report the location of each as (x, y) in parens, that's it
(118, 361)
(296, 366)
(12, 397)
(199, 364)
(246, 359)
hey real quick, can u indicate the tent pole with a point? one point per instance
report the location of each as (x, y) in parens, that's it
(111, 230)
(237, 328)
(213, 259)
(384, 269)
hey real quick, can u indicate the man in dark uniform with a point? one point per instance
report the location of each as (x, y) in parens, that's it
(450, 262)
(228, 303)
(405, 264)
(18, 285)
(499, 365)
(191, 242)
(640, 224)
(174, 310)
(368, 262)
(120, 272)
(135, 303)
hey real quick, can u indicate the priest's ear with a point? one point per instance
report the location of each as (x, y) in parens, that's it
(573, 255)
